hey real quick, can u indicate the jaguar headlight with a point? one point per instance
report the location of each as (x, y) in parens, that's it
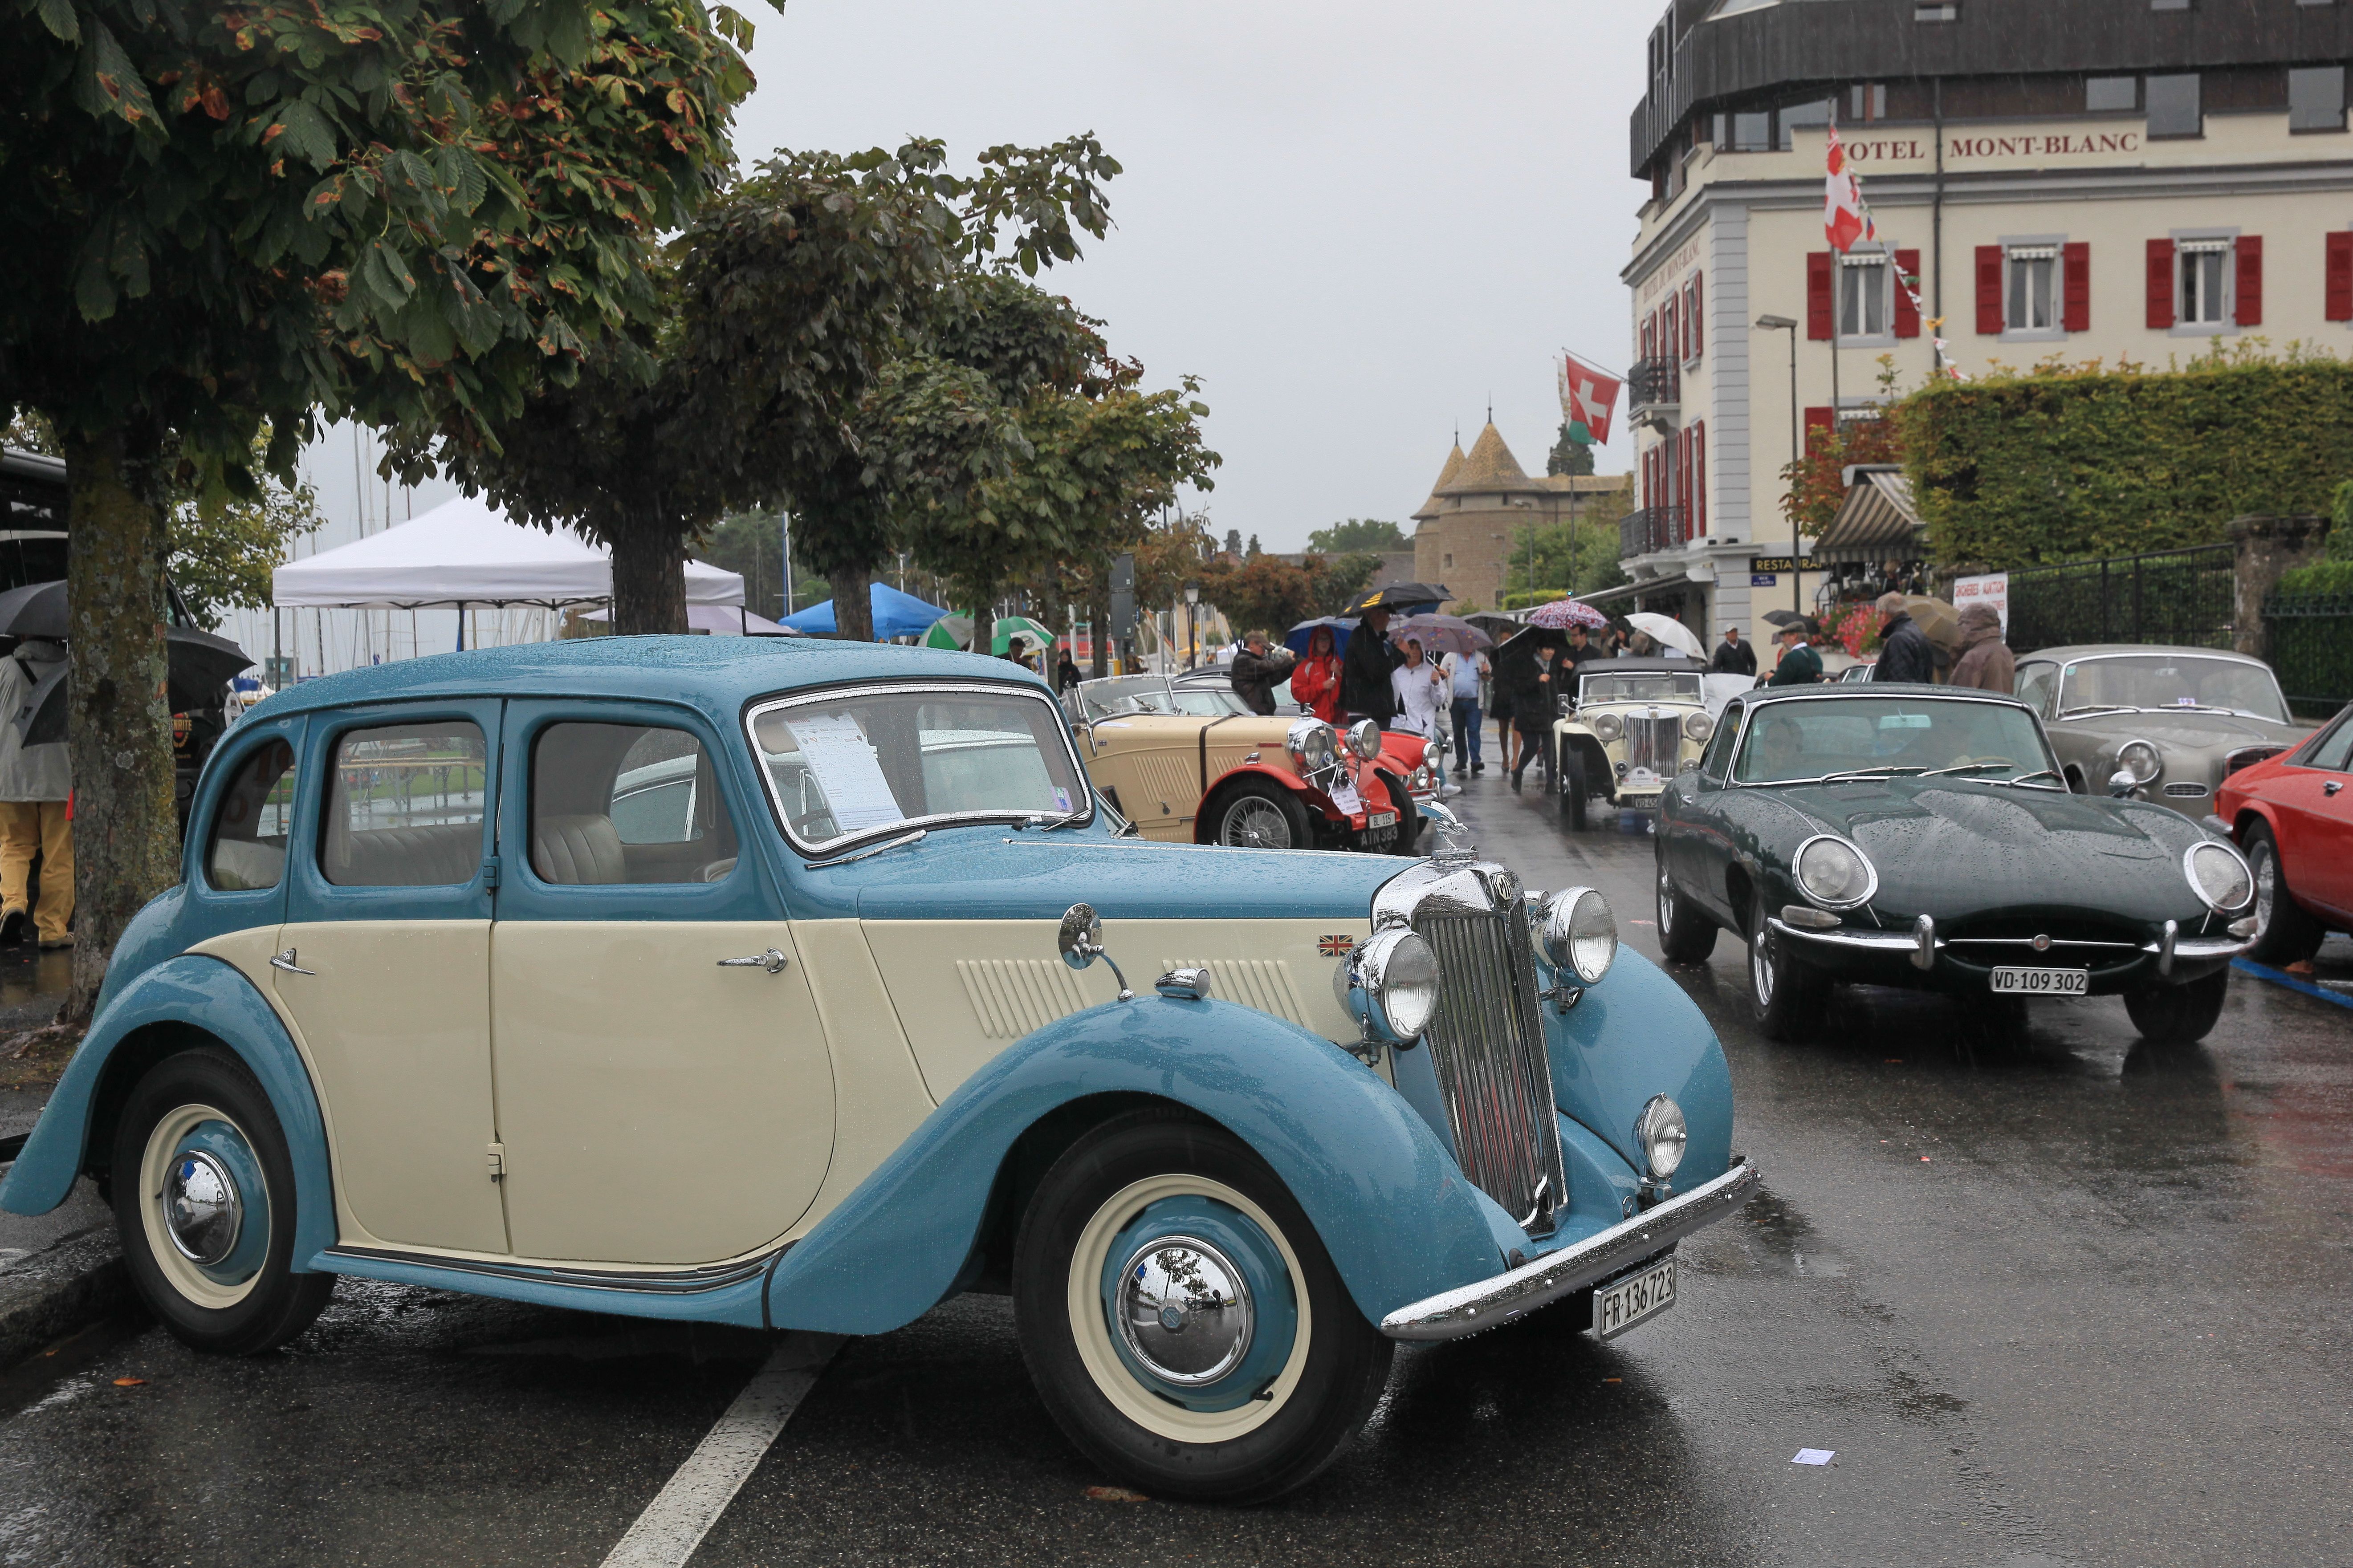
(1834, 873)
(1312, 746)
(1607, 727)
(2218, 876)
(1364, 739)
(1663, 1135)
(1698, 726)
(2141, 760)
(1579, 932)
(1390, 985)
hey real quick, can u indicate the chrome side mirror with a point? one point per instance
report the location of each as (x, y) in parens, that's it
(2121, 783)
(1079, 940)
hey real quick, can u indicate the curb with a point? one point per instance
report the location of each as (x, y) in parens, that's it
(66, 1285)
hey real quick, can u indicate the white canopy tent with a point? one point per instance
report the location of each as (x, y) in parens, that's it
(464, 553)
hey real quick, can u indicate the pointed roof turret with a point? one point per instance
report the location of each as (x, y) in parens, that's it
(1490, 469)
(1446, 476)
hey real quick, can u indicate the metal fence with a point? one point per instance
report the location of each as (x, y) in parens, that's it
(2310, 637)
(2185, 597)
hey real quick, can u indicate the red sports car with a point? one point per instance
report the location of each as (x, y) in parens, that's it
(2293, 817)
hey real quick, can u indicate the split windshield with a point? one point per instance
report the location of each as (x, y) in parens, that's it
(852, 765)
(1815, 739)
(2171, 680)
(1125, 694)
(1639, 686)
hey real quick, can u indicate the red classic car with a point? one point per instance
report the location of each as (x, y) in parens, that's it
(2293, 817)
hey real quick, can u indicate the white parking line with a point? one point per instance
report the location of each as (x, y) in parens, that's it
(675, 1522)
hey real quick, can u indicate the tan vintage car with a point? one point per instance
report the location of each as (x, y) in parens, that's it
(1194, 764)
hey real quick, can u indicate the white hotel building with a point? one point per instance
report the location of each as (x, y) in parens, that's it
(2088, 179)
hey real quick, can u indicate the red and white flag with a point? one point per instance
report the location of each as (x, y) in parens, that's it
(1587, 397)
(1845, 218)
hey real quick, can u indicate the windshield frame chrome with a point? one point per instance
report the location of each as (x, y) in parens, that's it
(1764, 698)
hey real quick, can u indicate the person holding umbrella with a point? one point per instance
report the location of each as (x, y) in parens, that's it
(36, 781)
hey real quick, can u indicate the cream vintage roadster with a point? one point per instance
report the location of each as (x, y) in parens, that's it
(1627, 727)
(804, 986)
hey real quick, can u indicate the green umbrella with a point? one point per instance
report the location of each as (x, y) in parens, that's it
(953, 632)
(1035, 636)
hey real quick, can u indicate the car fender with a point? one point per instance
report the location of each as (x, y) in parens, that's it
(1603, 1085)
(189, 993)
(1314, 799)
(1396, 1214)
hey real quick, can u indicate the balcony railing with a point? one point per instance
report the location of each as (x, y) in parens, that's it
(1651, 529)
(1653, 383)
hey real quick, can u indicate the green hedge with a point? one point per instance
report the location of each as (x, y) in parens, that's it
(2066, 464)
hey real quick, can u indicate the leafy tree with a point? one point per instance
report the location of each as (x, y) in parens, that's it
(1815, 485)
(223, 217)
(1569, 559)
(1344, 581)
(1568, 454)
(1269, 594)
(1357, 536)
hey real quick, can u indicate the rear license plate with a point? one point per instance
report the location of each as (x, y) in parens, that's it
(1617, 1308)
(1638, 802)
(2042, 982)
(1381, 819)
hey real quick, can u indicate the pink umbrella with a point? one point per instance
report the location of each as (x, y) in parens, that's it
(1563, 614)
(1440, 634)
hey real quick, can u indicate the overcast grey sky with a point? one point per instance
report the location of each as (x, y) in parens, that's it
(1355, 222)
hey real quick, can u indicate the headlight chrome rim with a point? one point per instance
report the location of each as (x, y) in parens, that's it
(1391, 985)
(1607, 726)
(2155, 760)
(1698, 726)
(1312, 746)
(1870, 873)
(1364, 738)
(1664, 1136)
(2235, 862)
(1579, 932)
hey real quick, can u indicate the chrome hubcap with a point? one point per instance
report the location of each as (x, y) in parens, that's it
(203, 1210)
(1666, 904)
(1185, 1311)
(2266, 889)
(1760, 966)
(1255, 824)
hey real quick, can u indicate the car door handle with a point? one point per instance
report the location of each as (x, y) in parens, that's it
(772, 960)
(2332, 786)
(286, 961)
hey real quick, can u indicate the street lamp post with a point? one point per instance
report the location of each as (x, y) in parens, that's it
(1784, 324)
(1192, 635)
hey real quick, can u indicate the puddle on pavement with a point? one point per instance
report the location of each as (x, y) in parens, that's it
(1771, 1237)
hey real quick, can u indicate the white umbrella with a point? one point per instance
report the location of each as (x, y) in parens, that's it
(1667, 632)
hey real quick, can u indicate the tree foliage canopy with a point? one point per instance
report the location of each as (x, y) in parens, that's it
(1568, 454)
(1266, 593)
(1359, 535)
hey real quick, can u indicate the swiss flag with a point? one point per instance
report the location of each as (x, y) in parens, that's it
(1587, 397)
(1843, 217)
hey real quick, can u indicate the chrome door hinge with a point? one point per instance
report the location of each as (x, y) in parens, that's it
(489, 871)
(498, 1161)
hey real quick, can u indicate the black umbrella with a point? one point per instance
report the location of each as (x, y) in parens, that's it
(1399, 597)
(36, 610)
(198, 666)
(1778, 617)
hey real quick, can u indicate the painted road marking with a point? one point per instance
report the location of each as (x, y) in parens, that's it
(675, 1522)
(2280, 977)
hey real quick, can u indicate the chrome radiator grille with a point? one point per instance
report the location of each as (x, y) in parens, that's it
(1654, 743)
(1487, 1046)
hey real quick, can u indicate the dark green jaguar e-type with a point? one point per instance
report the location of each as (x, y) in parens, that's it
(1921, 836)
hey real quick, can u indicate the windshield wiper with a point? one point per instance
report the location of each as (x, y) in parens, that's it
(2037, 773)
(822, 862)
(1968, 768)
(1890, 772)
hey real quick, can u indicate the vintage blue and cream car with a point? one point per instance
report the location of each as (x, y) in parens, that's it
(785, 984)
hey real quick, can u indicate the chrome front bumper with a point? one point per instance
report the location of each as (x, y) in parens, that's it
(1922, 944)
(1472, 1308)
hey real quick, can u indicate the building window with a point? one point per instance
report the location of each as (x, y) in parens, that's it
(2111, 94)
(1862, 296)
(1448, 564)
(1936, 10)
(2032, 297)
(2173, 106)
(2316, 99)
(2205, 269)
(1866, 100)
(1752, 132)
(1799, 117)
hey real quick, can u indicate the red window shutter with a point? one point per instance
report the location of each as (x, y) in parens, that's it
(2251, 280)
(1699, 478)
(1684, 479)
(2160, 285)
(2340, 276)
(1907, 314)
(1698, 321)
(2075, 260)
(1818, 309)
(1989, 291)
(1818, 420)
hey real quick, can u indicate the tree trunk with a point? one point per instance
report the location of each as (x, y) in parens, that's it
(649, 579)
(119, 723)
(853, 603)
(1099, 624)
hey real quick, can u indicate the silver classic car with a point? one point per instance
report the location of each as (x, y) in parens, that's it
(2180, 721)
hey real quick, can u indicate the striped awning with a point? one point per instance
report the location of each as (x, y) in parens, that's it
(1876, 522)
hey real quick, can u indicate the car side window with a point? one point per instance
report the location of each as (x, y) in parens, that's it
(247, 852)
(1717, 758)
(2335, 751)
(620, 804)
(404, 806)
(2035, 684)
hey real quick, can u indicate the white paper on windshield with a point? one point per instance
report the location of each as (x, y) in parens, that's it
(1344, 796)
(837, 751)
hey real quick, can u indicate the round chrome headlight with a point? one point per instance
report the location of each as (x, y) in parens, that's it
(1698, 727)
(1579, 932)
(1312, 746)
(1420, 779)
(1390, 985)
(2218, 876)
(1607, 727)
(1834, 873)
(1662, 1136)
(1364, 739)
(2141, 760)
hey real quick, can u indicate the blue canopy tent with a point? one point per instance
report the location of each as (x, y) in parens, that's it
(1296, 639)
(896, 614)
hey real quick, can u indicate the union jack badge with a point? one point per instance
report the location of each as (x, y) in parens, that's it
(1337, 946)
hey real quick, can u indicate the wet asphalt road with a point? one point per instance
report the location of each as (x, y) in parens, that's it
(2066, 1300)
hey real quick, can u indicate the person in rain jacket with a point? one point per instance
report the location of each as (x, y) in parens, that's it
(1986, 662)
(1903, 650)
(1257, 672)
(1315, 679)
(35, 785)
